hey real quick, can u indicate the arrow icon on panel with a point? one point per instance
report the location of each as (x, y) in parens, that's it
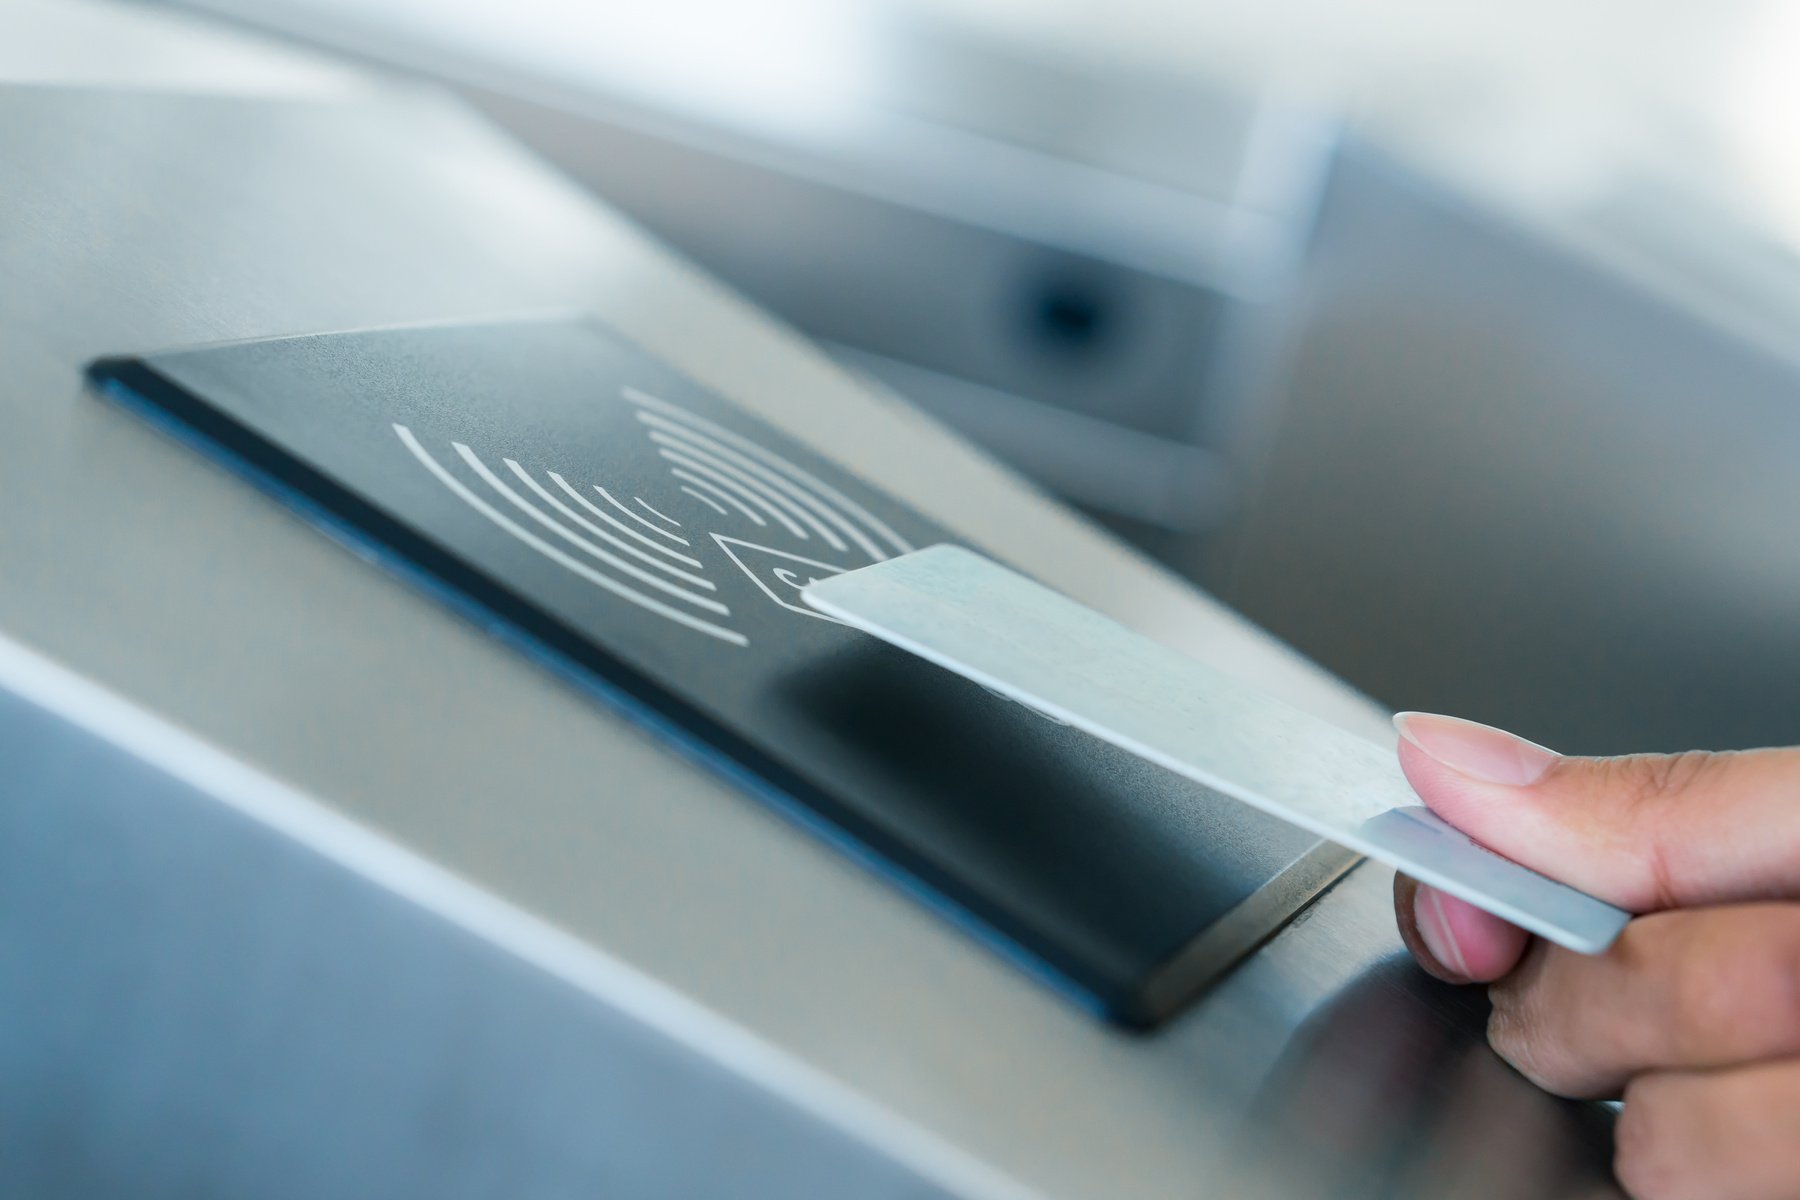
(778, 574)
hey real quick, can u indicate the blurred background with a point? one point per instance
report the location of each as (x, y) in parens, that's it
(1458, 345)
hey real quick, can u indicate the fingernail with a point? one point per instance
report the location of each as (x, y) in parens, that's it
(1478, 751)
(1435, 931)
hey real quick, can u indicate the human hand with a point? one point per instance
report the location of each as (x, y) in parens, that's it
(1693, 1016)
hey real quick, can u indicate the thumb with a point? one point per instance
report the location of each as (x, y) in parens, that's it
(1645, 832)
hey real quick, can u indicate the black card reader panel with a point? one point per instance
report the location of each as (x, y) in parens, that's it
(650, 538)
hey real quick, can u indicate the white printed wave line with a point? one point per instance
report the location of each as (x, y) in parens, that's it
(574, 539)
(645, 504)
(708, 501)
(690, 478)
(743, 493)
(692, 437)
(643, 399)
(606, 536)
(656, 529)
(567, 561)
(694, 450)
(619, 525)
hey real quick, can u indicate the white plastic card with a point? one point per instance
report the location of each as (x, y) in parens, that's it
(1003, 631)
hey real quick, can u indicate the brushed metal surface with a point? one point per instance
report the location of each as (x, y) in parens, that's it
(355, 1020)
(131, 221)
(1514, 475)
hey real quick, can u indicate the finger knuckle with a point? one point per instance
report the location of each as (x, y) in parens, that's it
(1782, 996)
(1707, 1006)
(1527, 1026)
(1766, 1015)
(1653, 789)
(1647, 1143)
(1516, 1034)
(1738, 997)
(1670, 775)
(1505, 1028)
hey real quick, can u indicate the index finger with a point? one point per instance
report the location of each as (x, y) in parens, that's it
(1644, 832)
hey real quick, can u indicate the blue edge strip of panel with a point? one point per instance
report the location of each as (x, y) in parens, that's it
(372, 549)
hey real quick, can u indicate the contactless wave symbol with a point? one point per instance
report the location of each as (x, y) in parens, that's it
(640, 553)
(742, 481)
(614, 557)
(732, 474)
